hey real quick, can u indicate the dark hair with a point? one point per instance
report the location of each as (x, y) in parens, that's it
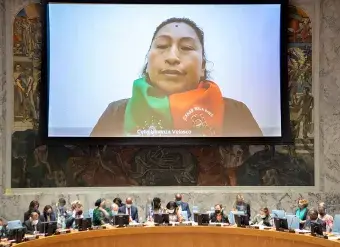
(265, 210)
(199, 32)
(118, 201)
(156, 203)
(34, 211)
(98, 202)
(47, 207)
(171, 205)
(32, 205)
(313, 212)
(62, 201)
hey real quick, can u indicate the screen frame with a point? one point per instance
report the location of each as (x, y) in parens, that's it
(284, 139)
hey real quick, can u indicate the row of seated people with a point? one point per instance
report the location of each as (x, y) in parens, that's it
(178, 211)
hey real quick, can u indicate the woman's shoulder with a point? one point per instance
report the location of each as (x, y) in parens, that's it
(118, 105)
(235, 104)
(111, 121)
(239, 121)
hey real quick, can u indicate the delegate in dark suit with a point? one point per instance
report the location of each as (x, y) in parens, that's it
(309, 223)
(47, 218)
(185, 207)
(30, 227)
(132, 211)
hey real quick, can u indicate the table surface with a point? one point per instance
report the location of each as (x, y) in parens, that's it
(178, 236)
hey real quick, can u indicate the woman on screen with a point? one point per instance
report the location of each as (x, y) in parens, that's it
(174, 96)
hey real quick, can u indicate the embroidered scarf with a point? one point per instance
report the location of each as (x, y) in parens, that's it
(198, 112)
(300, 213)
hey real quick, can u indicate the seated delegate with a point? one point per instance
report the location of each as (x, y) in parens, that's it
(130, 210)
(313, 218)
(173, 211)
(182, 206)
(263, 218)
(33, 224)
(218, 216)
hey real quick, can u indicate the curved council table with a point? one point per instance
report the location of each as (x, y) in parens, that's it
(186, 236)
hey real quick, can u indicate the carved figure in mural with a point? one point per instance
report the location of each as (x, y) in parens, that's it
(28, 37)
(164, 166)
(30, 92)
(271, 178)
(19, 87)
(231, 159)
(304, 33)
(299, 26)
(39, 172)
(27, 63)
(300, 77)
(306, 103)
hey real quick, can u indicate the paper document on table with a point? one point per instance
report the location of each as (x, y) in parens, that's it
(261, 227)
(334, 238)
(302, 231)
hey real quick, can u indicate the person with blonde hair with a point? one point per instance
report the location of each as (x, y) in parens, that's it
(302, 211)
(241, 206)
(77, 213)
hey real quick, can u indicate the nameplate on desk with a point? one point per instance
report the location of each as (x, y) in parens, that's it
(215, 225)
(5, 244)
(135, 225)
(319, 236)
(63, 232)
(31, 238)
(98, 227)
(244, 226)
(185, 224)
(287, 230)
(165, 224)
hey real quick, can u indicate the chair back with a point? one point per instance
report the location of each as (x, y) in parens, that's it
(195, 209)
(278, 213)
(231, 216)
(91, 213)
(293, 222)
(336, 223)
(14, 224)
(184, 214)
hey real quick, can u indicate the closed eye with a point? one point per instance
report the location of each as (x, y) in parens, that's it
(161, 46)
(187, 48)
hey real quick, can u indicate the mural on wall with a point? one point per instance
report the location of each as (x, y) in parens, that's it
(35, 164)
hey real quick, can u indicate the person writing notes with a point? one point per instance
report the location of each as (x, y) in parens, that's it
(263, 218)
(33, 224)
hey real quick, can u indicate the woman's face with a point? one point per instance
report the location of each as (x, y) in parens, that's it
(175, 59)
